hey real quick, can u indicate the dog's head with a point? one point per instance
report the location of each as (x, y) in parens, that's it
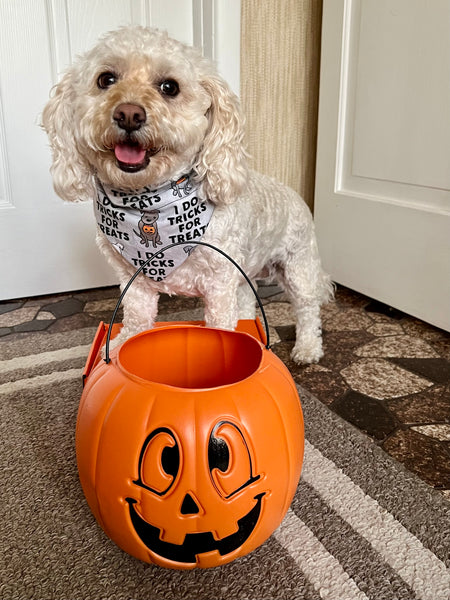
(140, 109)
(150, 216)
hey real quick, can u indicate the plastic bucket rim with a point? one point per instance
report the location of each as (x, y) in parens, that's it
(148, 383)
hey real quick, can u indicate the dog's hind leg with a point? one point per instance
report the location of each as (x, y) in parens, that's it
(304, 283)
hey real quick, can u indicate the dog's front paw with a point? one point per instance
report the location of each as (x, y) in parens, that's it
(114, 343)
(307, 350)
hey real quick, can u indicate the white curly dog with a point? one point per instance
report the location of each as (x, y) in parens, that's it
(143, 124)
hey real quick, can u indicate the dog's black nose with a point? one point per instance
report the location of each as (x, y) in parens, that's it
(129, 116)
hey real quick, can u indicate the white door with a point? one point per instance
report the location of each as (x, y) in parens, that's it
(382, 205)
(47, 246)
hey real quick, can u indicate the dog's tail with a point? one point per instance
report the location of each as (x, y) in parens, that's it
(328, 288)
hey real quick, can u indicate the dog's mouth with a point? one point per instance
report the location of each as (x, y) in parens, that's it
(131, 157)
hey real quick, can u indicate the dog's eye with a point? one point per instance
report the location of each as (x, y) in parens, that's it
(106, 80)
(169, 87)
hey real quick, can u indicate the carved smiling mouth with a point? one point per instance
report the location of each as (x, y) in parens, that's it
(194, 543)
(131, 157)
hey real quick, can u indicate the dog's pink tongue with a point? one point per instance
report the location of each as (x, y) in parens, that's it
(131, 155)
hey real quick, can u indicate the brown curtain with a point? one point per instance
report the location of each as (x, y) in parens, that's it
(280, 59)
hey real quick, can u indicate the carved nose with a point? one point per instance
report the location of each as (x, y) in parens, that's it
(189, 506)
(129, 116)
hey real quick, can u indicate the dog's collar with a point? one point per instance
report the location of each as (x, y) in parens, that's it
(138, 223)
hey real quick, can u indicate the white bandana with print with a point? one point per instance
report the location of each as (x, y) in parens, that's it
(138, 223)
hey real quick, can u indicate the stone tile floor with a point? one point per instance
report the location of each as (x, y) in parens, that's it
(383, 371)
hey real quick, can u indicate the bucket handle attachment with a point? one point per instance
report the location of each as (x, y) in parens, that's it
(142, 267)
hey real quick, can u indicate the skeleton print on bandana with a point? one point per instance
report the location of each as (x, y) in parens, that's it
(138, 223)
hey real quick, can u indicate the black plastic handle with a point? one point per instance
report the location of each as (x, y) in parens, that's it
(125, 290)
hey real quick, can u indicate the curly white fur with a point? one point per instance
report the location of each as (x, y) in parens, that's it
(259, 222)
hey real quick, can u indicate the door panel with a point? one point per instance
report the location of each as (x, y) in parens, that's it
(382, 205)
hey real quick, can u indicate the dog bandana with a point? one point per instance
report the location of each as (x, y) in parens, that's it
(138, 223)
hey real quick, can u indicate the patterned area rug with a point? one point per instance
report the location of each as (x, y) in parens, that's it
(360, 526)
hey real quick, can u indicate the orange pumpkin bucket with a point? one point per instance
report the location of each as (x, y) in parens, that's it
(189, 442)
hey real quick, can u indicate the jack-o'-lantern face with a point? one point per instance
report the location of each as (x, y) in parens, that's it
(190, 451)
(224, 476)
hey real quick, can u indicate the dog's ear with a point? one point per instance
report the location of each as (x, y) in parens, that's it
(72, 176)
(221, 164)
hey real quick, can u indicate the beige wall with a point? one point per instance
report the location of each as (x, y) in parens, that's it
(280, 56)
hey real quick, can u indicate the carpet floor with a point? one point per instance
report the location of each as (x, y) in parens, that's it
(360, 525)
(383, 371)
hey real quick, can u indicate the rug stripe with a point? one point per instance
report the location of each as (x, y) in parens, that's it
(347, 546)
(34, 360)
(414, 563)
(43, 342)
(40, 380)
(422, 510)
(323, 571)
